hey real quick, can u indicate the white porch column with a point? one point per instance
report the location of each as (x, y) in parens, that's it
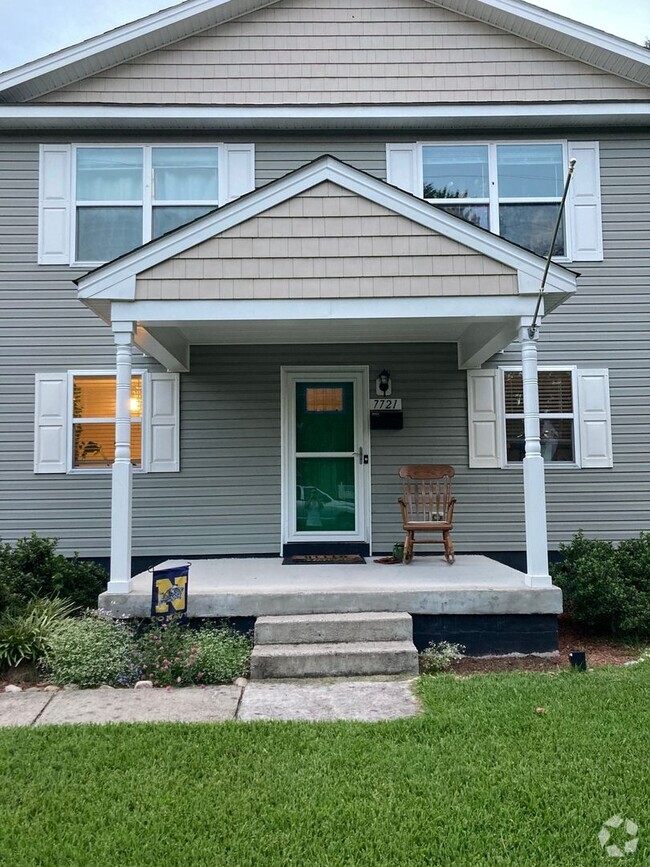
(120, 580)
(534, 486)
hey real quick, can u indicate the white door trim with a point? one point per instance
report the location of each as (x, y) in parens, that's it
(290, 375)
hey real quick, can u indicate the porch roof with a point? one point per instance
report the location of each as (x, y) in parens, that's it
(325, 254)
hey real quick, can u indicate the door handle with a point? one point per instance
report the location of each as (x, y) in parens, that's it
(363, 458)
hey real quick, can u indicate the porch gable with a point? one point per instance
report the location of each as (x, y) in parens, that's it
(326, 242)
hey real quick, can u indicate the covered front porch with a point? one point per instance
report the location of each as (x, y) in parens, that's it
(327, 262)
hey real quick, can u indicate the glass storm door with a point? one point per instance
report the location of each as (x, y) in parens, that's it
(327, 456)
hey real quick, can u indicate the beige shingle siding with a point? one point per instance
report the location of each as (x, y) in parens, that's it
(370, 51)
(326, 243)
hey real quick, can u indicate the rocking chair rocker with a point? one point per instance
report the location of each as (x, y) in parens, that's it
(427, 505)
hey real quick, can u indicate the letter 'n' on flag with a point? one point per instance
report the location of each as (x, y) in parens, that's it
(169, 592)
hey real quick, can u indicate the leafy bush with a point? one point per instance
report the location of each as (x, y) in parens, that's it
(223, 655)
(167, 653)
(33, 568)
(606, 587)
(439, 656)
(26, 637)
(92, 650)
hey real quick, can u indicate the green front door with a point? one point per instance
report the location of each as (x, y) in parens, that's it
(328, 458)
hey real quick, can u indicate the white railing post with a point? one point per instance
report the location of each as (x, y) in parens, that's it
(122, 476)
(534, 485)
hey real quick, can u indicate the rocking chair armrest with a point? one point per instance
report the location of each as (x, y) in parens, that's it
(450, 510)
(404, 510)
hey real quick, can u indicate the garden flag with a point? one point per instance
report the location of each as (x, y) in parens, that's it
(169, 593)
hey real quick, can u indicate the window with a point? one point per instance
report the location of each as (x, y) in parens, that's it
(125, 196)
(98, 201)
(74, 421)
(556, 411)
(514, 190)
(575, 418)
(93, 421)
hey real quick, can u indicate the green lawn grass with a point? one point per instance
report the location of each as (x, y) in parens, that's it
(479, 779)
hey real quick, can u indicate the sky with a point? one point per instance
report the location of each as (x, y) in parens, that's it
(33, 28)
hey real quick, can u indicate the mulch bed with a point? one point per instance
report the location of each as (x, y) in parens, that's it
(600, 651)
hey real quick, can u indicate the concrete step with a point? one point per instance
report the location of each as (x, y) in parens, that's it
(330, 659)
(326, 628)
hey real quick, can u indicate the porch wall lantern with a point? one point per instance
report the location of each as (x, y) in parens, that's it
(383, 384)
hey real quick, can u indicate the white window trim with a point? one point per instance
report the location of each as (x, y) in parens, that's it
(147, 202)
(493, 200)
(103, 471)
(554, 465)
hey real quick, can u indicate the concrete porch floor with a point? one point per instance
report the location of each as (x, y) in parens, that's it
(252, 587)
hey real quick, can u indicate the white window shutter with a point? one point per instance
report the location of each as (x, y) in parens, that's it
(54, 204)
(585, 224)
(163, 423)
(484, 408)
(402, 167)
(595, 419)
(239, 171)
(51, 423)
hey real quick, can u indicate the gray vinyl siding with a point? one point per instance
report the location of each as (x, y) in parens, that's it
(226, 499)
(607, 324)
(275, 158)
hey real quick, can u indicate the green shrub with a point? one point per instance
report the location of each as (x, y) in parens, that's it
(606, 587)
(33, 568)
(92, 650)
(439, 656)
(223, 655)
(167, 653)
(26, 637)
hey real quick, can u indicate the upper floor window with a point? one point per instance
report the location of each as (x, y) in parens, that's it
(125, 196)
(98, 201)
(514, 190)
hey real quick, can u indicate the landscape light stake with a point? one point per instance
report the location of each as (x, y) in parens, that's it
(532, 328)
(578, 660)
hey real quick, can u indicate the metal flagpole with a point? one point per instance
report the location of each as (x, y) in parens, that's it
(532, 328)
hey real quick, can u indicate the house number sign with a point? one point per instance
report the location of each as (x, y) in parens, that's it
(385, 403)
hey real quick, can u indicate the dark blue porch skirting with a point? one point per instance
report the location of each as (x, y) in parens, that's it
(485, 634)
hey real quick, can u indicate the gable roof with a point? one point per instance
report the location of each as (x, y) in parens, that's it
(116, 280)
(570, 38)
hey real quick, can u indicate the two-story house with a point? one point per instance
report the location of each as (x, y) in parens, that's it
(225, 228)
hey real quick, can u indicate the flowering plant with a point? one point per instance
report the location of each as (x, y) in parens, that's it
(168, 653)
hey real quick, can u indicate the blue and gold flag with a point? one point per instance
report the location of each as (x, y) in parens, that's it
(169, 593)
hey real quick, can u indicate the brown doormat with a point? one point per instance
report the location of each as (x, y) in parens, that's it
(316, 559)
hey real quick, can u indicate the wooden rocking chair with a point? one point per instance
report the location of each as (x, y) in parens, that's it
(427, 505)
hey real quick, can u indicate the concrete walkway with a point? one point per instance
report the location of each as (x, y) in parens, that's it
(313, 701)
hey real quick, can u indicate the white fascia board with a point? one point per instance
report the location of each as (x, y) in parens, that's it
(378, 113)
(120, 37)
(575, 30)
(101, 282)
(173, 313)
